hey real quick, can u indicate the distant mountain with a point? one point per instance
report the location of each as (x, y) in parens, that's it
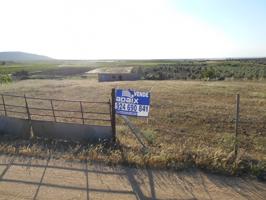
(21, 56)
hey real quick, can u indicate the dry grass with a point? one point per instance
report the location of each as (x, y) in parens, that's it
(191, 124)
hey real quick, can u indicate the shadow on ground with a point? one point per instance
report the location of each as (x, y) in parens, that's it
(31, 178)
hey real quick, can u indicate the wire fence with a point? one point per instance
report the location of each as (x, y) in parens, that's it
(201, 117)
(203, 120)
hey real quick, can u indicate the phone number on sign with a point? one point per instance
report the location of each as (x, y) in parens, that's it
(132, 107)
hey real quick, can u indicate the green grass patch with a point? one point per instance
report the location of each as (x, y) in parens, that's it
(150, 135)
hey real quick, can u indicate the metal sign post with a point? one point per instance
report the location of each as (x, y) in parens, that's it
(113, 112)
(236, 125)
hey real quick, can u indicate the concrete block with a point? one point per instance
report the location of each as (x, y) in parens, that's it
(74, 132)
(14, 127)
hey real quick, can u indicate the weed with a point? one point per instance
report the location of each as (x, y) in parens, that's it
(5, 79)
(150, 135)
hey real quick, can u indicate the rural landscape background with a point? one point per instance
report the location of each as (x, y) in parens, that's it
(64, 65)
(192, 117)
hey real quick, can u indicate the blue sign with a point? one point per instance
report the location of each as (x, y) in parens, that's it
(131, 102)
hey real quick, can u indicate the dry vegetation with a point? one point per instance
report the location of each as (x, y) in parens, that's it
(191, 123)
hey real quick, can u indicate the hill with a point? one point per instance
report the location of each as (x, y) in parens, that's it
(21, 56)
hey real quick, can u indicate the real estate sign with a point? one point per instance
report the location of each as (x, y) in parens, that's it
(131, 102)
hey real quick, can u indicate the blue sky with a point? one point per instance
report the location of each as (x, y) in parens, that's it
(134, 29)
(243, 20)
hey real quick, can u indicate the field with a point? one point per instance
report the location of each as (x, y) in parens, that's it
(232, 69)
(191, 124)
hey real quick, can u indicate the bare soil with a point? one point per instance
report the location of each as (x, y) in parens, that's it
(28, 178)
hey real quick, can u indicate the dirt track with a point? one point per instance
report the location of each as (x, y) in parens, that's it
(25, 178)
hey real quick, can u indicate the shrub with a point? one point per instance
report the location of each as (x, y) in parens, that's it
(5, 79)
(218, 70)
(208, 73)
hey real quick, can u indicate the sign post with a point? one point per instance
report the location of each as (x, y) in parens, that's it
(236, 125)
(113, 112)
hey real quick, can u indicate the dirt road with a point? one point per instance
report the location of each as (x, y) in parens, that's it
(30, 178)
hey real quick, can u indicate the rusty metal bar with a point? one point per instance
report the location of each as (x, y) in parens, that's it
(75, 111)
(59, 110)
(105, 120)
(81, 109)
(94, 119)
(15, 106)
(99, 102)
(15, 111)
(98, 113)
(52, 105)
(27, 107)
(43, 115)
(4, 104)
(110, 109)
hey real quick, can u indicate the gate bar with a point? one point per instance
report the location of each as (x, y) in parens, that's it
(4, 104)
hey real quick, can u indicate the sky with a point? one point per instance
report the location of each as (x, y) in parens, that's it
(134, 29)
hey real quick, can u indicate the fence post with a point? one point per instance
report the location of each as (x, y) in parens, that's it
(4, 104)
(81, 109)
(236, 125)
(52, 105)
(113, 117)
(27, 107)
